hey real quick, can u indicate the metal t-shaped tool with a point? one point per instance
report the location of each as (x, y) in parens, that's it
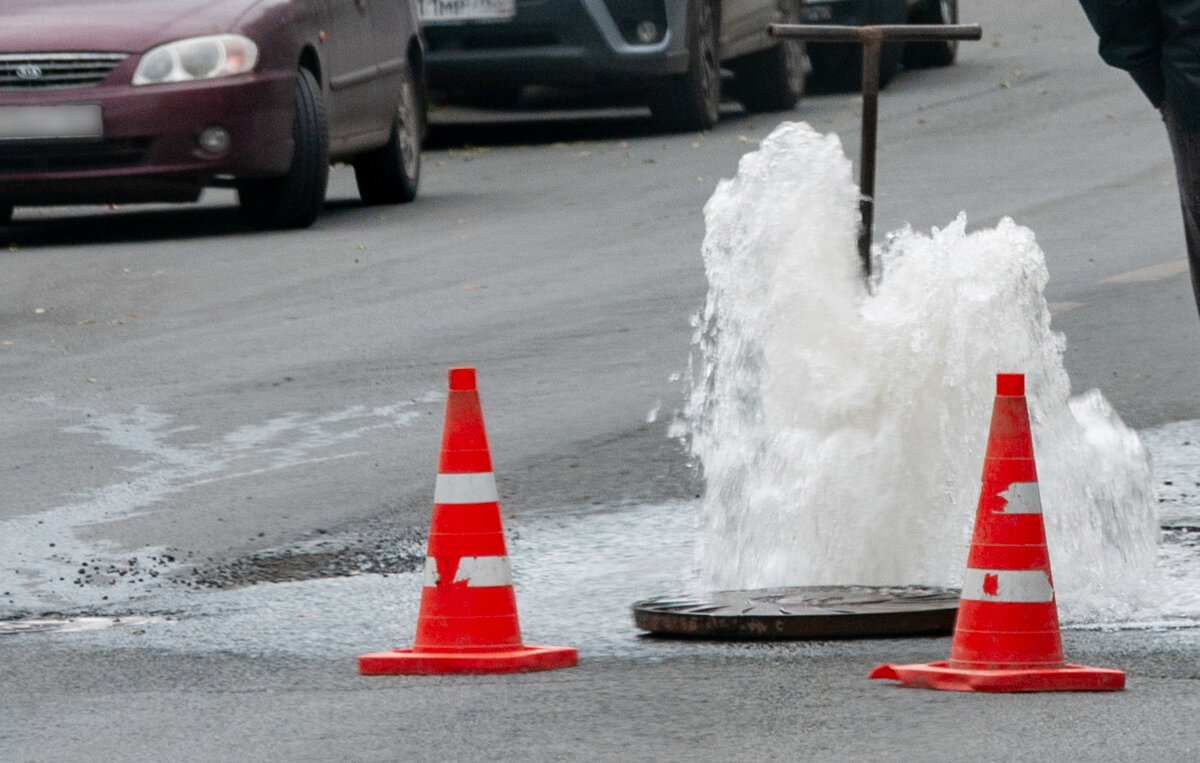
(872, 39)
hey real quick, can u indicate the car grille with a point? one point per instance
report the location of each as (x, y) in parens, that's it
(25, 71)
(51, 157)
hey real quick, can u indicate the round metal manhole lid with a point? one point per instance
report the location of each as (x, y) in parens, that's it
(808, 612)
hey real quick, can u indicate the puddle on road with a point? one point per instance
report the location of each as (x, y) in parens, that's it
(1175, 452)
(576, 576)
(71, 624)
(50, 565)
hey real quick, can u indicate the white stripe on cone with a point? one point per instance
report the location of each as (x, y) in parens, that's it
(475, 571)
(477, 487)
(1022, 498)
(484, 571)
(1010, 586)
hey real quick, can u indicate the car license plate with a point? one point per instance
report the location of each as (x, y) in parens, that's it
(73, 122)
(435, 11)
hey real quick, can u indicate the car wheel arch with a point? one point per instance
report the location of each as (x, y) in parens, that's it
(311, 60)
(295, 199)
(416, 64)
(416, 57)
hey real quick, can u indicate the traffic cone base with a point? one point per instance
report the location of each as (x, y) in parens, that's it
(939, 675)
(1006, 635)
(521, 660)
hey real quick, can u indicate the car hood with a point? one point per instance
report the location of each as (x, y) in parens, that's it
(130, 26)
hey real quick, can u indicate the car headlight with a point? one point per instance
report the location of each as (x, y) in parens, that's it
(196, 58)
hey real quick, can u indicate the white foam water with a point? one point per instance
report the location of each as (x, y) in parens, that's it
(841, 427)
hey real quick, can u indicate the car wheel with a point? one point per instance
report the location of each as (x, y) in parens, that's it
(295, 199)
(390, 173)
(940, 53)
(773, 79)
(692, 101)
(6, 213)
(837, 67)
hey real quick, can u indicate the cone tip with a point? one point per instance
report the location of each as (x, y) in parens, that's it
(1010, 385)
(462, 379)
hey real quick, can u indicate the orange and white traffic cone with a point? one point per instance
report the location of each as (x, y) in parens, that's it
(1006, 638)
(468, 617)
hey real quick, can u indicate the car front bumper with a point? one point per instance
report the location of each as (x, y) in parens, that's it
(150, 150)
(837, 12)
(554, 42)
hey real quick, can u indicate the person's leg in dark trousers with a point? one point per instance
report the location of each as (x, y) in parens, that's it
(1185, 145)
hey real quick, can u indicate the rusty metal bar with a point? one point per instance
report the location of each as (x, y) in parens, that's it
(890, 32)
(872, 39)
(872, 44)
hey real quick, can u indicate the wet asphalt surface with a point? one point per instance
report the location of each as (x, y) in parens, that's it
(268, 673)
(230, 439)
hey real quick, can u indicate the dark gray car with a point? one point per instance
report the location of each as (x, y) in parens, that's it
(670, 52)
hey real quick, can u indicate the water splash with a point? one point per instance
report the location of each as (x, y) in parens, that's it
(841, 429)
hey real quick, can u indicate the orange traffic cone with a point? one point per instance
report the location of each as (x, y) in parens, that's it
(468, 617)
(1006, 637)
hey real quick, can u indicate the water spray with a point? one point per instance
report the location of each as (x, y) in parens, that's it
(830, 611)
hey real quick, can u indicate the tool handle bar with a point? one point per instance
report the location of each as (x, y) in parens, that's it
(883, 32)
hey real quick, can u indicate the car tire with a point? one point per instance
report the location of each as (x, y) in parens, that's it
(295, 199)
(773, 79)
(691, 101)
(390, 174)
(927, 54)
(837, 67)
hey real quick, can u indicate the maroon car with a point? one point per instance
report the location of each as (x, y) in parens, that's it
(124, 101)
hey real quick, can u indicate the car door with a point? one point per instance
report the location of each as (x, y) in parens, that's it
(357, 89)
(394, 25)
(744, 25)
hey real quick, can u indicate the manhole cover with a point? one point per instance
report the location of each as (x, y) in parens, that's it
(810, 612)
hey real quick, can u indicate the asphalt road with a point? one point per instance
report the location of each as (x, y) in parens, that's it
(185, 396)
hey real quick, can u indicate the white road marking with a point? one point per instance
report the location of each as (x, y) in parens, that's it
(1160, 272)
